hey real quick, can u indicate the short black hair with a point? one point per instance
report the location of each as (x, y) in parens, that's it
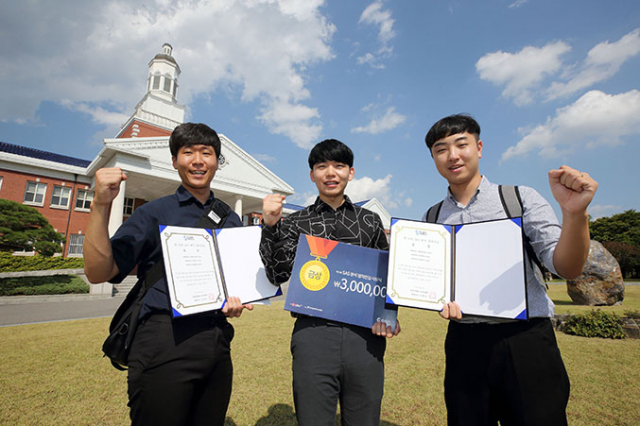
(188, 134)
(452, 125)
(330, 150)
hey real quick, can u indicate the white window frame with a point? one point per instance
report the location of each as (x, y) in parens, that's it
(60, 197)
(74, 247)
(85, 197)
(166, 87)
(155, 82)
(129, 206)
(37, 186)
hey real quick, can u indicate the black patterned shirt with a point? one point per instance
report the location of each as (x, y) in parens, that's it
(348, 224)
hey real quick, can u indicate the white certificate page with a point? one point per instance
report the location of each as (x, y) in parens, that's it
(490, 277)
(419, 264)
(193, 274)
(244, 273)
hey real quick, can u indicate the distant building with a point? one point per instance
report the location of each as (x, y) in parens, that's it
(60, 187)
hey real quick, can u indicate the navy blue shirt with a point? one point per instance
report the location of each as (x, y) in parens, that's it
(137, 241)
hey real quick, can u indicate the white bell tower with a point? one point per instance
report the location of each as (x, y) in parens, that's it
(158, 112)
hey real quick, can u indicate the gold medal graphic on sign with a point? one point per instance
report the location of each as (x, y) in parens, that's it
(314, 275)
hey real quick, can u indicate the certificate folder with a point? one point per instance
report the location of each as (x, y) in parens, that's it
(339, 282)
(204, 267)
(479, 265)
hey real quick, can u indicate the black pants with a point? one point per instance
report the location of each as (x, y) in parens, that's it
(512, 373)
(180, 371)
(336, 362)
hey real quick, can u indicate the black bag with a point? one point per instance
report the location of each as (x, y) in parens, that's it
(125, 321)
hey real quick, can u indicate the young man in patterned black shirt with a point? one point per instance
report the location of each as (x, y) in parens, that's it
(331, 361)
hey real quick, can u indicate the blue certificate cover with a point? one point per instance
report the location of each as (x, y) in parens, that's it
(340, 282)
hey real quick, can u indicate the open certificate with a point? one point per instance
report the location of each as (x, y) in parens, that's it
(478, 265)
(203, 268)
(192, 269)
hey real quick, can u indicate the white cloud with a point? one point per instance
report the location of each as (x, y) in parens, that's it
(596, 119)
(602, 62)
(98, 114)
(375, 15)
(264, 158)
(365, 188)
(598, 210)
(94, 53)
(518, 3)
(389, 121)
(521, 72)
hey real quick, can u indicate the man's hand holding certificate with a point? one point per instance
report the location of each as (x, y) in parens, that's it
(206, 271)
(478, 265)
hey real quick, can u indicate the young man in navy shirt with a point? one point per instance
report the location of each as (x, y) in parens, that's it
(180, 370)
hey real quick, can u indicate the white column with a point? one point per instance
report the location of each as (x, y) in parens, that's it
(238, 206)
(117, 210)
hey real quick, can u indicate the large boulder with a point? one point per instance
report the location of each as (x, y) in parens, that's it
(600, 282)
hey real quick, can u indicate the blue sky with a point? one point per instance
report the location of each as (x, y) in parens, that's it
(550, 82)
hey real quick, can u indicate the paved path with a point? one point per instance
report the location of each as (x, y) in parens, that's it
(17, 310)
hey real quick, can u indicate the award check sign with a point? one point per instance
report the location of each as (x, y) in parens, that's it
(339, 282)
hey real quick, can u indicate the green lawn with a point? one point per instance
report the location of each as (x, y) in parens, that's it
(55, 374)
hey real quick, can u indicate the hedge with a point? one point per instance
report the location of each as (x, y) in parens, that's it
(11, 263)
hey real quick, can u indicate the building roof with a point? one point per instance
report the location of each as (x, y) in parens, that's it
(290, 206)
(42, 155)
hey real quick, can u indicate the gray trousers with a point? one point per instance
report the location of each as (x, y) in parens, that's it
(334, 362)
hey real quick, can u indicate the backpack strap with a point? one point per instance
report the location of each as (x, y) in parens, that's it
(433, 213)
(216, 216)
(512, 204)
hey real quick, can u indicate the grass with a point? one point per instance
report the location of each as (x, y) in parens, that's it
(564, 305)
(54, 373)
(54, 284)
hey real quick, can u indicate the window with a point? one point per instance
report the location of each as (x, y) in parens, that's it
(1, 182)
(156, 82)
(34, 194)
(83, 200)
(75, 243)
(256, 220)
(167, 84)
(128, 206)
(60, 196)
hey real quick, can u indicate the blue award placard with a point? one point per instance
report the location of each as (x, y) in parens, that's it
(340, 282)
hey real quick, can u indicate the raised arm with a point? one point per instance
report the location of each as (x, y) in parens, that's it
(573, 190)
(99, 265)
(279, 240)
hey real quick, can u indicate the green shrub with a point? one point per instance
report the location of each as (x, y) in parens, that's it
(56, 284)
(632, 313)
(595, 324)
(10, 263)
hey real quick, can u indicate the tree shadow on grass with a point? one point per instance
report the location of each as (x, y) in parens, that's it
(278, 415)
(283, 415)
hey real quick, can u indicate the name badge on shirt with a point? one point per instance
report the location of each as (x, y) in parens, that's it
(214, 217)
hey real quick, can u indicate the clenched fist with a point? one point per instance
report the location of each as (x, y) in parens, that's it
(272, 209)
(108, 185)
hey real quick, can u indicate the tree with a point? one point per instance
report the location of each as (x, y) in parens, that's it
(24, 228)
(620, 234)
